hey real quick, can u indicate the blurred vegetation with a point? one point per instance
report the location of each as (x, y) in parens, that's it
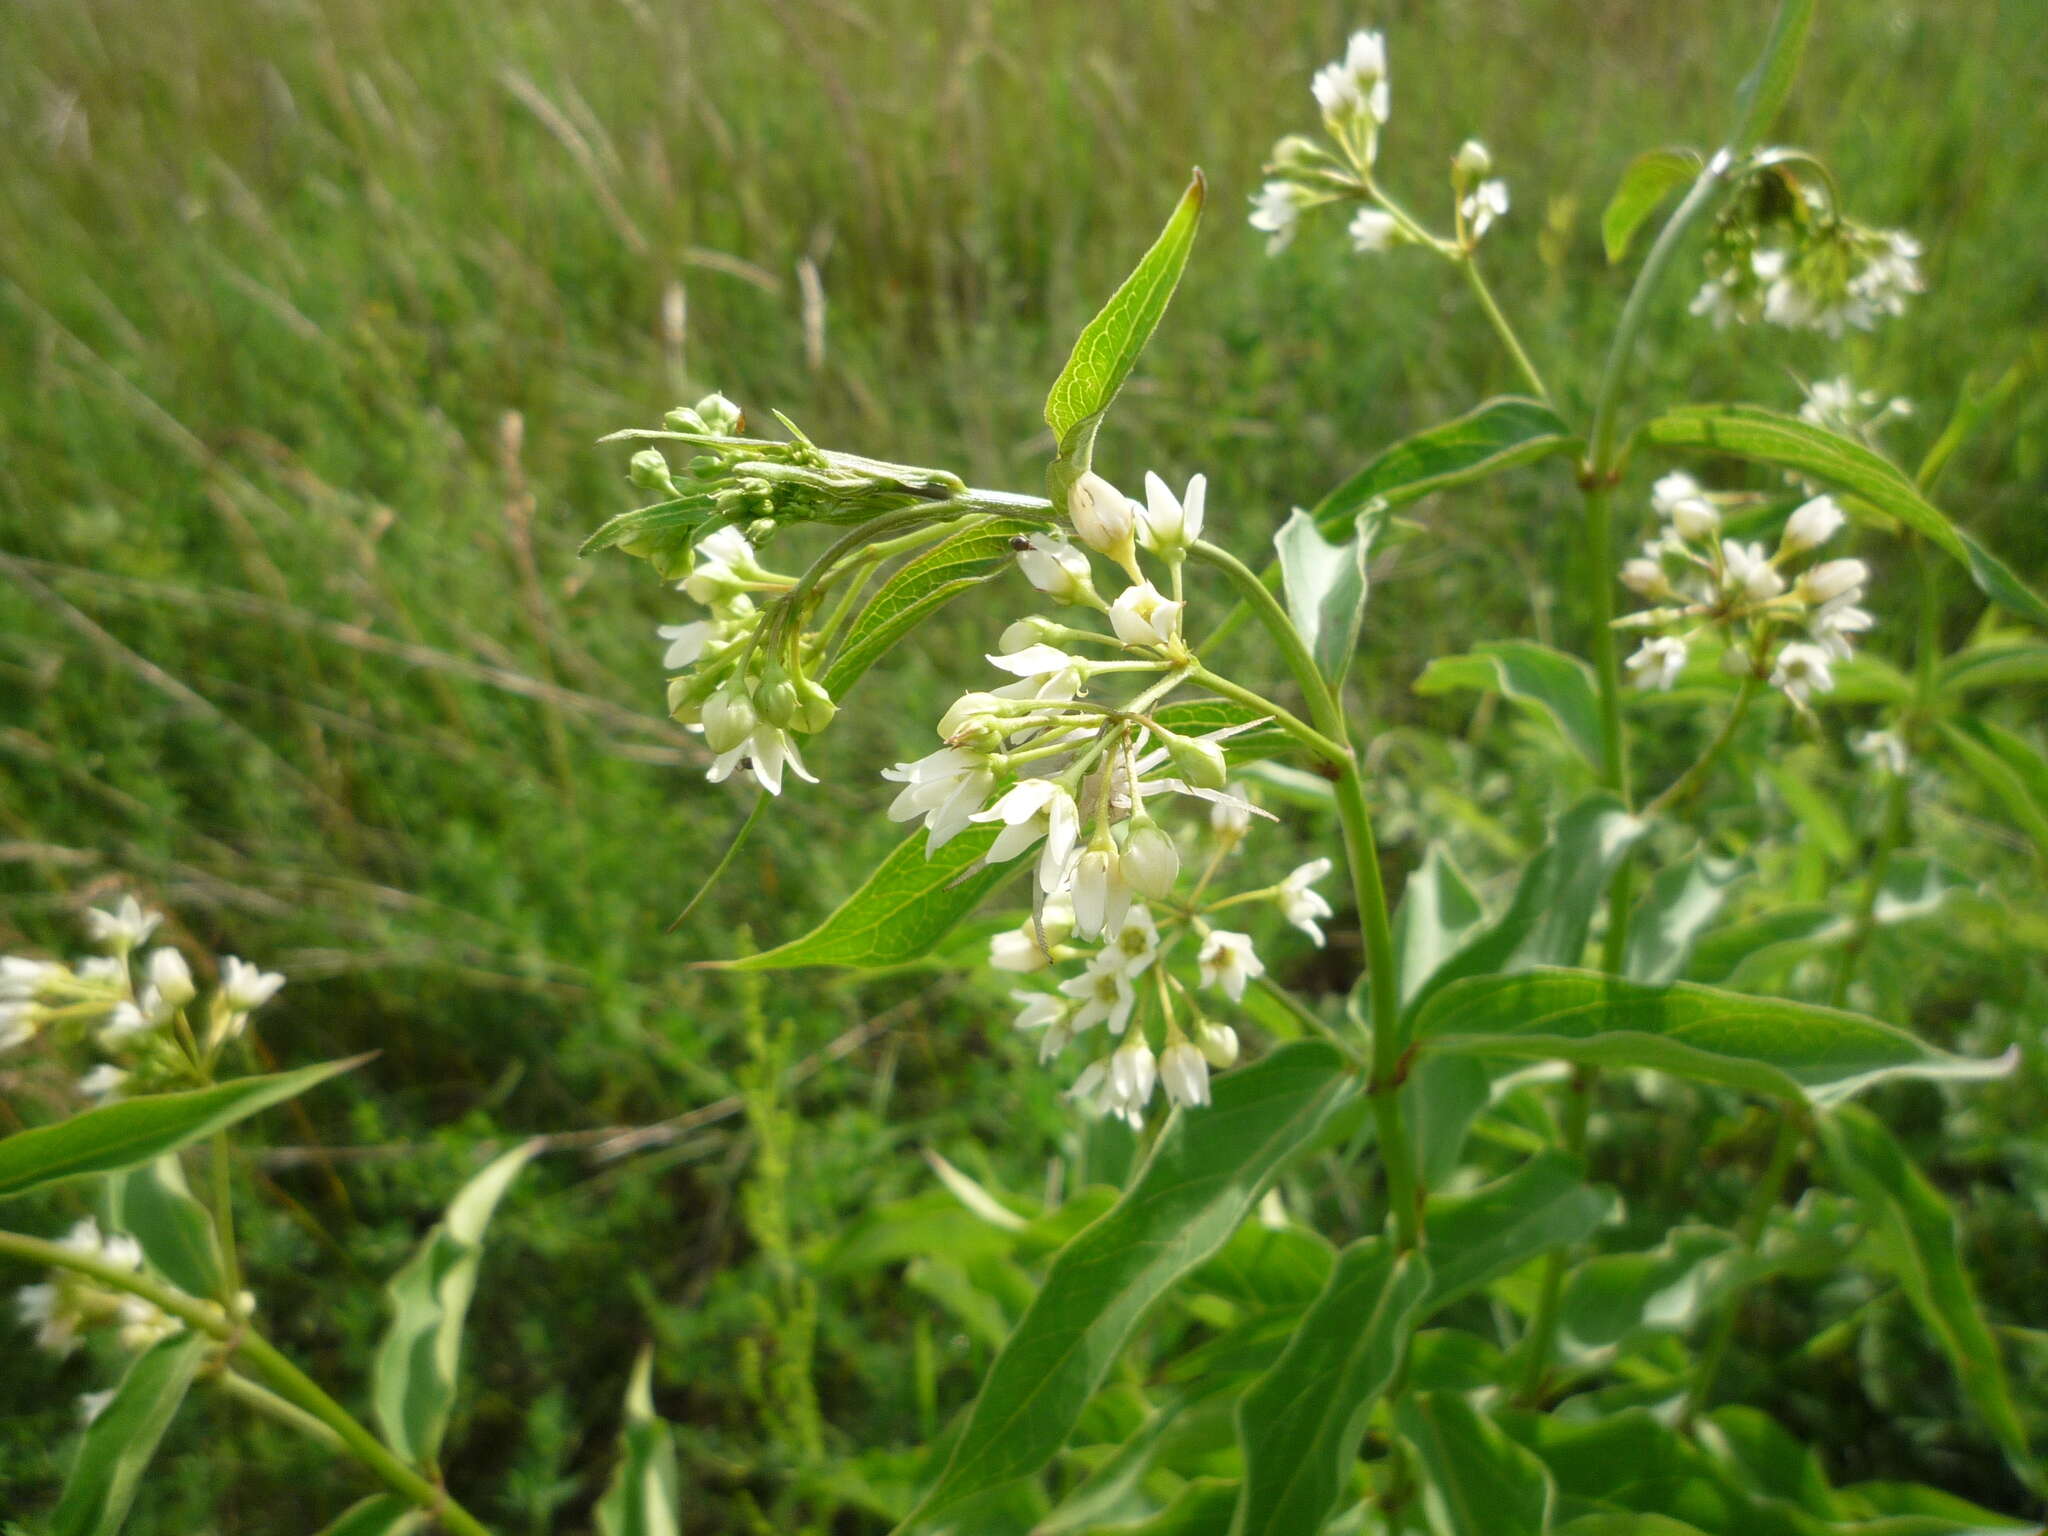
(311, 311)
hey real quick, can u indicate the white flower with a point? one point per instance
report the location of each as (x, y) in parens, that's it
(19, 1022)
(122, 928)
(1835, 621)
(1031, 809)
(22, 979)
(142, 1324)
(1833, 579)
(721, 566)
(1042, 1010)
(1105, 992)
(1483, 204)
(1811, 526)
(1142, 615)
(1184, 1073)
(1373, 232)
(1151, 863)
(42, 1308)
(1132, 1074)
(1355, 86)
(1050, 563)
(1218, 1043)
(767, 750)
(686, 642)
(171, 978)
(1136, 946)
(244, 987)
(1802, 671)
(1716, 301)
(1276, 211)
(1103, 517)
(1750, 571)
(1669, 491)
(102, 1083)
(1102, 897)
(92, 1404)
(1230, 814)
(1168, 523)
(1229, 962)
(124, 1023)
(1645, 577)
(1885, 748)
(1302, 906)
(1657, 662)
(945, 787)
(103, 971)
(1038, 660)
(1694, 519)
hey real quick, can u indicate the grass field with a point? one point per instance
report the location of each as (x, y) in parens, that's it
(310, 314)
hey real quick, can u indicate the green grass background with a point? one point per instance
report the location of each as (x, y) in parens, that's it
(310, 313)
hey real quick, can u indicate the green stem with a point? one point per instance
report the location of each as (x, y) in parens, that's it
(234, 1384)
(1330, 751)
(224, 1221)
(284, 1378)
(1689, 781)
(1543, 1329)
(1791, 1130)
(1865, 921)
(1506, 332)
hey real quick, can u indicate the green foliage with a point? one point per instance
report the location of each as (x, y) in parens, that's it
(1494, 437)
(644, 1493)
(115, 1453)
(1649, 178)
(1326, 587)
(1558, 685)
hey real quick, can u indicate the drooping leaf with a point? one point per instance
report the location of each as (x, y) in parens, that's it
(419, 1359)
(1751, 432)
(905, 907)
(131, 1132)
(1198, 1184)
(153, 1205)
(1650, 178)
(1108, 345)
(960, 561)
(1683, 900)
(1497, 435)
(1554, 902)
(1612, 1297)
(1326, 585)
(1477, 1482)
(2011, 770)
(1764, 1045)
(1918, 1240)
(1474, 1239)
(118, 1445)
(1301, 1423)
(646, 1488)
(383, 1514)
(1561, 687)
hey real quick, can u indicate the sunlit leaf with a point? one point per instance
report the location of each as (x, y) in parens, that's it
(1495, 436)
(1561, 687)
(1650, 178)
(1683, 900)
(1326, 587)
(1611, 1297)
(153, 1205)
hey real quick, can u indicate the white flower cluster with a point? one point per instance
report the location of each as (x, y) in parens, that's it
(1782, 254)
(1052, 768)
(1838, 405)
(1701, 581)
(134, 1008)
(68, 1305)
(1354, 96)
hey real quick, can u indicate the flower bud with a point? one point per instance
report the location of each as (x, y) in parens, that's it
(1373, 232)
(721, 416)
(1298, 152)
(1151, 863)
(814, 707)
(776, 698)
(1102, 516)
(1694, 518)
(171, 977)
(1811, 526)
(1199, 762)
(1669, 491)
(683, 707)
(1832, 578)
(1025, 633)
(1472, 161)
(649, 470)
(683, 419)
(1218, 1043)
(1645, 578)
(728, 718)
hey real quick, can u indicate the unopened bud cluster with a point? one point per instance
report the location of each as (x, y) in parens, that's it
(69, 1305)
(1354, 95)
(1784, 616)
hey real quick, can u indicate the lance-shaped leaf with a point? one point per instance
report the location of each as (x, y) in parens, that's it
(1681, 902)
(646, 1487)
(1475, 1239)
(1650, 178)
(131, 1132)
(1495, 436)
(2011, 770)
(153, 1205)
(1614, 1296)
(1751, 432)
(905, 907)
(1198, 1184)
(1438, 913)
(919, 588)
(1301, 1422)
(1477, 1482)
(1326, 587)
(121, 1440)
(1108, 345)
(1917, 1237)
(1764, 1045)
(1554, 901)
(1996, 664)
(419, 1359)
(382, 1514)
(1559, 686)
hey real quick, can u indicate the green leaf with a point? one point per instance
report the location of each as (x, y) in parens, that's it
(382, 1514)
(1474, 1239)
(1764, 1045)
(905, 907)
(419, 1358)
(1558, 685)
(1326, 587)
(1682, 901)
(1205, 717)
(118, 1444)
(1649, 179)
(921, 587)
(1109, 344)
(1438, 912)
(1106, 1490)
(646, 1489)
(1612, 1297)
(1765, 437)
(1200, 1181)
(130, 1132)
(1764, 90)
(1997, 664)
(1498, 435)
(1478, 1481)
(153, 1205)
(1301, 1423)
(1765, 1459)
(1919, 1240)
(1554, 902)
(662, 534)
(2011, 770)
